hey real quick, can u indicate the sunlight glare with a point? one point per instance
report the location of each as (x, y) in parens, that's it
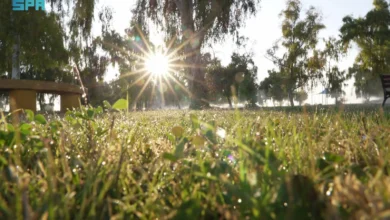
(157, 64)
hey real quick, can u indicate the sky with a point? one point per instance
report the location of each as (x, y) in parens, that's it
(262, 30)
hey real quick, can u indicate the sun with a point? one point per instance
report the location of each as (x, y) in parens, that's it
(157, 64)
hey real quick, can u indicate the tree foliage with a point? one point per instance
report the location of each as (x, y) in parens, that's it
(191, 23)
(40, 37)
(371, 33)
(238, 79)
(274, 86)
(300, 96)
(334, 78)
(300, 61)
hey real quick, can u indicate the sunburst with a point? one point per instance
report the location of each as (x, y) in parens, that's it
(157, 68)
(157, 64)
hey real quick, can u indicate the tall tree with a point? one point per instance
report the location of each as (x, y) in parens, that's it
(334, 79)
(300, 37)
(274, 86)
(37, 38)
(300, 96)
(371, 33)
(194, 22)
(30, 40)
(238, 79)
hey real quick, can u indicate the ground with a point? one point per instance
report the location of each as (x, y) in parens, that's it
(274, 163)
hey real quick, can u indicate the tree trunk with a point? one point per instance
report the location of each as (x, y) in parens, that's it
(291, 97)
(15, 58)
(41, 101)
(198, 88)
(193, 42)
(229, 101)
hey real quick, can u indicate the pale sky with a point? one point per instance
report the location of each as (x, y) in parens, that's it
(262, 31)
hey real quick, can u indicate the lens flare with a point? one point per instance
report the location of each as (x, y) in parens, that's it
(157, 64)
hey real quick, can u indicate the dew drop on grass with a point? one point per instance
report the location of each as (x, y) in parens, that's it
(221, 133)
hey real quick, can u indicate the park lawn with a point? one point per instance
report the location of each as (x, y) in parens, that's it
(293, 163)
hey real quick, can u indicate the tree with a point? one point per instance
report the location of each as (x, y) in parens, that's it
(129, 52)
(238, 79)
(300, 96)
(300, 37)
(196, 21)
(30, 40)
(246, 76)
(335, 78)
(371, 33)
(274, 86)
(37, 38)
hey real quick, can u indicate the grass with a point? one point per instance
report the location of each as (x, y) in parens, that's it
(314, 163)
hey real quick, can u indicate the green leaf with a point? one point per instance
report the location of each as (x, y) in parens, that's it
(171, 138)
(29, 115)
(55, 125)
(170, 157)
(333, 157)
(226, 153)
(195, 122)
(180, 148)
(25, 129)
(99, 110)
(90, 113)
(3, 161)
(178, 131)
(106, 104)
(121, 104)
(10, 128)
(40, 119)
(198, 140)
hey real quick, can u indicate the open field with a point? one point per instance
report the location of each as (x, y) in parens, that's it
(275, 163)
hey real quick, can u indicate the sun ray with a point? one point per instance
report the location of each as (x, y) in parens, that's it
(143, 89)
(156, 66)
(131, 73)
(161, 91)
(143, 39)
(139, 80)
(153, 92)
(180, 85)
(171, 88)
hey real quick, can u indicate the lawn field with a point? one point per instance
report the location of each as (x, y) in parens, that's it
(274, 163)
